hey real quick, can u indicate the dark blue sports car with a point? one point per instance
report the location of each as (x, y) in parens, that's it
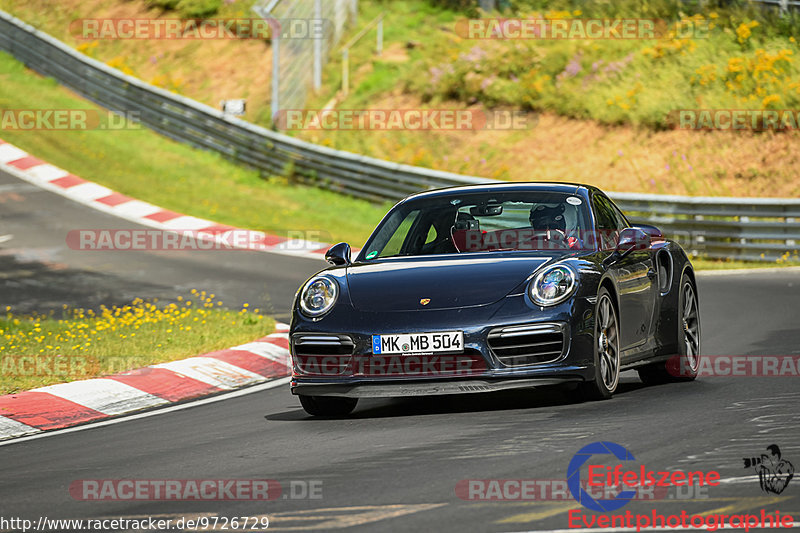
(489, 287)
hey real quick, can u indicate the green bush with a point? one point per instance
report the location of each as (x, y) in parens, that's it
(736, 62)
(466, 7)
(188, 9)
(198, 9)
(166, 5)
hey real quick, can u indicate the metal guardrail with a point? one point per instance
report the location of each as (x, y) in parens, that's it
(782, 5)
(755, 229)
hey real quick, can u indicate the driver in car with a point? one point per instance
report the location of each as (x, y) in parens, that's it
(550, 221)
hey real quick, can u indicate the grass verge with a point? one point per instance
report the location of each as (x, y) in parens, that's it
(704, 263)
(40, 350)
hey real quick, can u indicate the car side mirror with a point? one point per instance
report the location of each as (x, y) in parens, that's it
(631, 239)
(654, 233)
(338, 254)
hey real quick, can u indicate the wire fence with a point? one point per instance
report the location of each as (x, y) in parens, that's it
(377, 22)
(759, 229)
(306, 32)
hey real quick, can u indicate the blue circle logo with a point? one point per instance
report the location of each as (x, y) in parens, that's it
(574, 476)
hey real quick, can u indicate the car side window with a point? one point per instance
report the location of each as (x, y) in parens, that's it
(622, 222)
(608, 226)
(398, 238)
(425, 236)
(432, 235)
(426, 239)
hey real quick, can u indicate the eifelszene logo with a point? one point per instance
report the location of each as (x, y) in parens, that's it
(774, 473)
(574, 476)
(617, 477)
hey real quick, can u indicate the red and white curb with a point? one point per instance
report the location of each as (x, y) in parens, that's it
(19, 163)
(78, 402)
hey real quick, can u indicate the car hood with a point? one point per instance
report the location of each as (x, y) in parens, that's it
(399, 284)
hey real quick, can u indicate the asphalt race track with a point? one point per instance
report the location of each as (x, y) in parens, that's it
(41, 272)
(394, 465)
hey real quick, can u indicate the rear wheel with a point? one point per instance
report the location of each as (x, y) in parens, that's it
(684, 366)
(606, 351)
(328, 405)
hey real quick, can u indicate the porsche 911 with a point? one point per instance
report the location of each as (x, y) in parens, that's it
(483, 288)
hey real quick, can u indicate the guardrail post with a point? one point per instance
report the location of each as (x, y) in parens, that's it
(377, 21)
(317, 47)
(380, 37)
(698, 239)
(276, 74)
(345, 71)
(744, 220)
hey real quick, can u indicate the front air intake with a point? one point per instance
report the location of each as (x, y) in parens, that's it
(528, 344)
(320, 354)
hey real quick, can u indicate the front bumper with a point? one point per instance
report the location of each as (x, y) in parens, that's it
(352, 372)
(384, 389)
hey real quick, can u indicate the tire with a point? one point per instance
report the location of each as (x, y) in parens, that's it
(684, 366)
(606, 351)
(328, 405)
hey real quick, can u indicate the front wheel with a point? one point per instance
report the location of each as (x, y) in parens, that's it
(606, 351)
(328, 405)
(684, 366)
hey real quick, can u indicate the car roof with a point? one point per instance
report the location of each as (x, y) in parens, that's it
(500, 187)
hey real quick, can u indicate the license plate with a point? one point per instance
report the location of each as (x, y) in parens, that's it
(443, 341)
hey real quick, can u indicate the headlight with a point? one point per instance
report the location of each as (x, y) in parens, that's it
(552, 285)
(318, 296)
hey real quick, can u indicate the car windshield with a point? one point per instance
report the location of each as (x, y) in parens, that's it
(480, 222)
